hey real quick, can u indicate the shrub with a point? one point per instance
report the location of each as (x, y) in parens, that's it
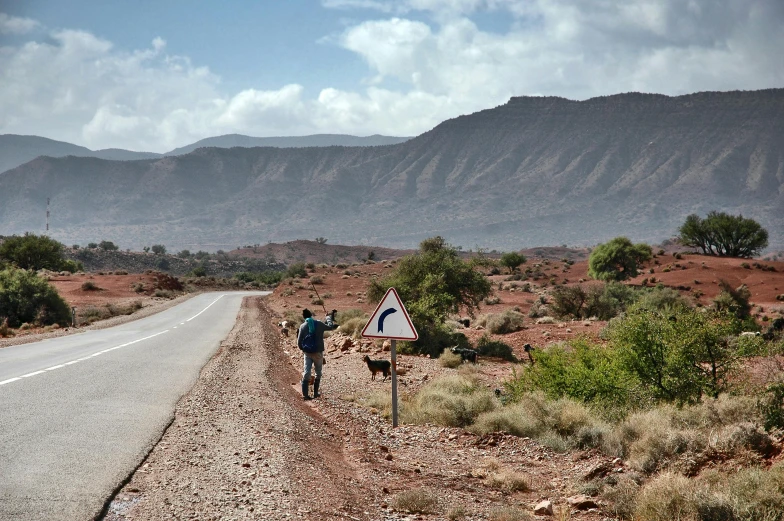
(296, 270)
(509, 513)
(454, 401)
(199, 271)
(108, 246)
(159, 249)
(502, 323)
(568, 301)
(735, 301)
(486, 346)
(579, 370)
(416, 501)
(26, 297)
(316, 279)
(89, 285)
(353, 326)
(617, 259)
(450, 359)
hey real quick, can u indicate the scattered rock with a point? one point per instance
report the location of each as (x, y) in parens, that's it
(544, 508)
(582, 502)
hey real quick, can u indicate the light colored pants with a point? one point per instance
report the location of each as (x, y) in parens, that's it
(309, 360)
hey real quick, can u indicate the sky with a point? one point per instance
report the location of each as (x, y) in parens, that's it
(152, 75)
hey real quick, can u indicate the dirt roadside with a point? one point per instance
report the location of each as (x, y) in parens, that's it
(244, 445)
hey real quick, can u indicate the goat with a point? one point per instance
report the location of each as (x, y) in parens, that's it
(465, 353)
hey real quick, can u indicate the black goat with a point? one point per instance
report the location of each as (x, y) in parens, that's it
(465, 353)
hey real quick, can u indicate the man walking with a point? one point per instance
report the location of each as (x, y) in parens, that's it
(311, 341)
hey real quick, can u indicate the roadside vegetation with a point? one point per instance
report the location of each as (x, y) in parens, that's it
(666, 388)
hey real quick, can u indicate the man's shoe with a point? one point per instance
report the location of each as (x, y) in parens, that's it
(316, 383)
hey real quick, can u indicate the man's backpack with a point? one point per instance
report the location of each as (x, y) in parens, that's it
(309, 344)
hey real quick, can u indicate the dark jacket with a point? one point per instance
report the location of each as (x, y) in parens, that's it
(327, 325)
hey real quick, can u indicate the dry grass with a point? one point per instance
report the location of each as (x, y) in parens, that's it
(450, 359)
(416, 501)
(353, 326)
(501, 323)
(510, 513)
(509, 481)
(454, 401)
(456, 513)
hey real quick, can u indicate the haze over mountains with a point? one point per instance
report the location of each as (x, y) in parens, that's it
(535, 171)
(16, 150)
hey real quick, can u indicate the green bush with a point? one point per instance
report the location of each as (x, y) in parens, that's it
(34, 252)
(579, 370)
(25, 297)
(108, 246)
(512, 260)
(159, 249)
(486, 346)
(296, 271)
(617, 259)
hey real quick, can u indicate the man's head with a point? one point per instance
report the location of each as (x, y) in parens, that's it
(306, 313)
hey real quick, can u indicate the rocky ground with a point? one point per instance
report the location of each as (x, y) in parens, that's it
(244, 445)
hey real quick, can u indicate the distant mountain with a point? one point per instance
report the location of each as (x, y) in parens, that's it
(535, 171)
(316, 140)
(16, 150)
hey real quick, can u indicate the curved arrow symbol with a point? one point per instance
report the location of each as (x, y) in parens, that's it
(383, 316)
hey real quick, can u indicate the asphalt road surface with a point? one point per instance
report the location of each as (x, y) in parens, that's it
(79, 413)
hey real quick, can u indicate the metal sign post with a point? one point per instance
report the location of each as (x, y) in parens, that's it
(394, 382)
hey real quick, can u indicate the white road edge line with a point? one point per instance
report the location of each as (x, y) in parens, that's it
(205, 309)
(82, 359)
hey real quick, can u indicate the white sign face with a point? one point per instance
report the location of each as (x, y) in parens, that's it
(390, 320)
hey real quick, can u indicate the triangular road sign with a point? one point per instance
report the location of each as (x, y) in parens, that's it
(390, 320)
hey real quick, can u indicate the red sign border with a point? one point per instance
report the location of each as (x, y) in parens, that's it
(405, 312)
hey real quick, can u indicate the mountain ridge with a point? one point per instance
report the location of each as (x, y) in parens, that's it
(531, 172)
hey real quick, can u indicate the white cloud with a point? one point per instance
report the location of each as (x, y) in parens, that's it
(77, 87)
(16, 25)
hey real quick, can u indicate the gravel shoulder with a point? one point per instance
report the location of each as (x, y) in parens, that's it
(244, 445)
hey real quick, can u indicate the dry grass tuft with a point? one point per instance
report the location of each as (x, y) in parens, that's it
(501, 323)
(450, 359)
(510, 513)
(416, 501)
(453, 401)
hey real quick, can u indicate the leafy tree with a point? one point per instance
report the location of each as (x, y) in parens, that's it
(146, 249)
(33, 252)
(108, 246)
(321, 240)
(433, 283)
(201, 254)
(184, 254)
(159, 249)
(199, 271)
(26, 297)
(735, 301)
(617, 259)
(724, 235)
(512, 260)
(92, 245)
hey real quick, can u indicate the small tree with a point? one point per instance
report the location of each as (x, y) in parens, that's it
(724, 235)
(108, 246)
(433, 283)
(617, 259)
(33, 252)
(92, 245)
(321, 240)
(512, 260)
(146, 249)
(159, 249)
(184, 254)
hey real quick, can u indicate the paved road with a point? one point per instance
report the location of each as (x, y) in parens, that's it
(79, 413)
